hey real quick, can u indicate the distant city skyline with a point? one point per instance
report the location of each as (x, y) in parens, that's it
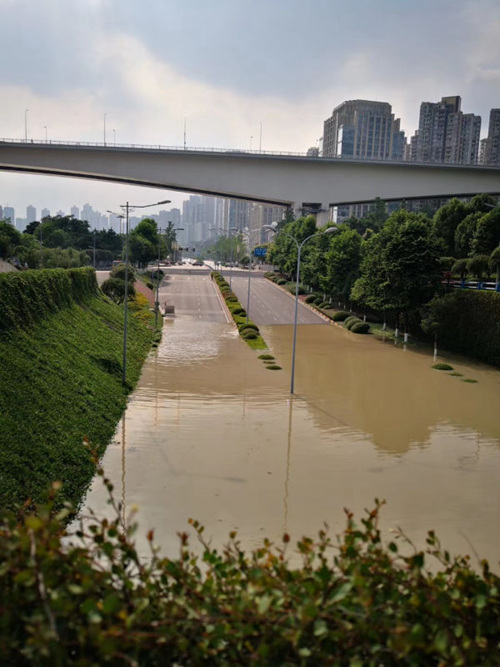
(123, 71)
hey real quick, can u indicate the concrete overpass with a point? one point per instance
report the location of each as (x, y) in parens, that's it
(285, 179)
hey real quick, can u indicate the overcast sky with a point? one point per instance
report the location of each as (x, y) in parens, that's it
(223, 68)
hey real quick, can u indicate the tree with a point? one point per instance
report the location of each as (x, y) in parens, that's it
(400, 268)
(461, 266)
(9, 239)
(479, 266)
(343, 261)
(487, 233)
(465, 233)
(446, 221)
(375, 218)
(114, 288)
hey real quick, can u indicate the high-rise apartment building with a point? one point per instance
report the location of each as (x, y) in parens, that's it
(492, 144)
(363, 129)
(446, 134)
(9, 213)
(30, 214)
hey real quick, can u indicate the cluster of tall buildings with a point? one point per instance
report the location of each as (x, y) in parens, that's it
(202, 218)
(366, 129)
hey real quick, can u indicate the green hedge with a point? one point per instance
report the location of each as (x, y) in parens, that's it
(27, 297)
(61, 381)
(467, 321)
(355, 601)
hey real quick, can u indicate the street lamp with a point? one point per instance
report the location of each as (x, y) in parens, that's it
(247, 233)
(272, 228)
(127, 208)
(157, 302)
(231, 230)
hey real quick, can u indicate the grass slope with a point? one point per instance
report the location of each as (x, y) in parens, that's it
(60, 384)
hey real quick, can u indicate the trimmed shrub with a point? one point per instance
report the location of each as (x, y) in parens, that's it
(443, 367)
(324, 304)
(248, 325)
(239, 310)
(281, 281)
(311, 298)
(249, 335)
(266, 357)
(353, 322)
(360, 328)
(340, 316)
(350, 320)
(273, 367)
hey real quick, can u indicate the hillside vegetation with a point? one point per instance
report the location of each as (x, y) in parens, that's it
(61, 378)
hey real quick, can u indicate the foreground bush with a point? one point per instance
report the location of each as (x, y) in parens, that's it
(355, 601)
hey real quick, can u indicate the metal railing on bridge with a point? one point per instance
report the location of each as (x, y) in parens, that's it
(226, 151)
(475, 284)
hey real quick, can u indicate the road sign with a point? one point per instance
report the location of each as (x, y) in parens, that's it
(260, 252)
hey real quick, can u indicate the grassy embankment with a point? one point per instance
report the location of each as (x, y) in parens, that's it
(61, 379)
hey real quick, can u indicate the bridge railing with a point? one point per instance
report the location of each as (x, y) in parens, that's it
(475, 284)
(227, 151)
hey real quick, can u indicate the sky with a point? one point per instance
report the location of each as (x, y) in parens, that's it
(235, 74)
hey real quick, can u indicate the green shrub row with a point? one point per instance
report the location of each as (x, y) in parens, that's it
(249, 331)
(27, 297)
(468, 322)
(354, 601)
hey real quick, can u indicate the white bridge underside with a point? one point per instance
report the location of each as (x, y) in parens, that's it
(313, 183)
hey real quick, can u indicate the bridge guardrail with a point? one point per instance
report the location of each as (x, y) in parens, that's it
(475, 284)
(228, 151)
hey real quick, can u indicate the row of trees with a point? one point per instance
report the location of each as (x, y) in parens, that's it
(399, 265)
(66, 242)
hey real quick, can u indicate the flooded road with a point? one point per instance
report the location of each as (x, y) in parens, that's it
(210, 433)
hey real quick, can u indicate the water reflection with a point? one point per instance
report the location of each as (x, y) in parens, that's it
(220, 439)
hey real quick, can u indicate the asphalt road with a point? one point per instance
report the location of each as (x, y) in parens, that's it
(193, 295)
(268, 303)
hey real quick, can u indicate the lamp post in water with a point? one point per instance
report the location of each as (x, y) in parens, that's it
(272, 228)
(127, 208)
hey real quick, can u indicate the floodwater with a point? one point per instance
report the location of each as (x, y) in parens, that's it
(210, 433)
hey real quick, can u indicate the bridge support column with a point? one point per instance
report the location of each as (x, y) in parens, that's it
(321, 211)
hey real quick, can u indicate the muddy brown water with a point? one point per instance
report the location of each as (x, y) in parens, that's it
(210, 433)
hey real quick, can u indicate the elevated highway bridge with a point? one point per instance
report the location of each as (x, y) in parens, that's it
(305, 183)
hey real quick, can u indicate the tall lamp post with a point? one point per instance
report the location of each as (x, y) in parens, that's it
(231, 231)
(157, 302)
(127, 208)
(249, 272)
(272, 228)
